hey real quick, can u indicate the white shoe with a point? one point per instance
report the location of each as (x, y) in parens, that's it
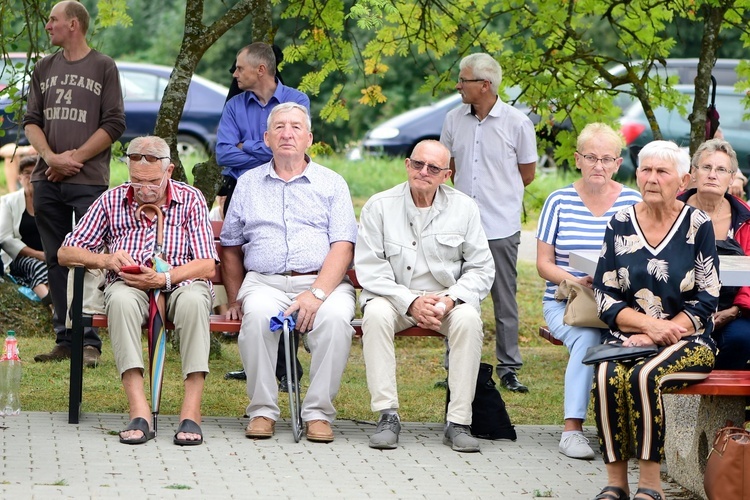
(575, 445)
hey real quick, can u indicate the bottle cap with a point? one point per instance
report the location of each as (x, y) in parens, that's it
(11, 333)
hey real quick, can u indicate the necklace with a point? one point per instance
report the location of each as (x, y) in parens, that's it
(714, 215)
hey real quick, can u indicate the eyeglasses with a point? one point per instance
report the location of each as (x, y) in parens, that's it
(432, 169)
(471, 80)
(722, 171)
(136, 157)
(138, 186)
(591, 160)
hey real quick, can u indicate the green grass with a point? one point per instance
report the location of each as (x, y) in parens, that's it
(420, 360)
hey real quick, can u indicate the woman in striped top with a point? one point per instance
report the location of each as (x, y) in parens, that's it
(574, 218)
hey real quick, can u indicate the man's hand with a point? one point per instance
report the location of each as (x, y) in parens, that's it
(147, 280)
(307, 307)
(737, 188)
(61, 166)
(234, 311)
(427, 313)
(118, 260)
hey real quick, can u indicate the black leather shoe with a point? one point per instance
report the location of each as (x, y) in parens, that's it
(284, 385)
(511, 382)
(238, 375)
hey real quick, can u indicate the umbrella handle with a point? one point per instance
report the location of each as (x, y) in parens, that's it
(159, 223)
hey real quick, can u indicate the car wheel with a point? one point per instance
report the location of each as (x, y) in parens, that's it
(190, 145)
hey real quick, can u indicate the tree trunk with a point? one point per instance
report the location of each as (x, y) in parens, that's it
(712, 17)
(196, 40)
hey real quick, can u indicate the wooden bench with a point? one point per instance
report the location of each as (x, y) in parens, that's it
(692, 417)
(218, 323)
(546, 334)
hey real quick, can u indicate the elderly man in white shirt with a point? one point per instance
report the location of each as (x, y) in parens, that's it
(493, 149)
(422, 259)
(291, 228)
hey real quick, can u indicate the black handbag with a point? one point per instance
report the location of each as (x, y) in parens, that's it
(617, 352)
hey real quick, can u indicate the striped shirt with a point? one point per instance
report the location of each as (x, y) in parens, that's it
(566, 224)
(110, 225)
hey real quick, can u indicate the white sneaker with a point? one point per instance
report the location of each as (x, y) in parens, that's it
(575, 445)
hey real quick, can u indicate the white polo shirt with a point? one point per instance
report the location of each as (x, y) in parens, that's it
(487, 154)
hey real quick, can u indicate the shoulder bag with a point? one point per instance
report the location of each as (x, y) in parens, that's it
(581, 308)
(728, 469)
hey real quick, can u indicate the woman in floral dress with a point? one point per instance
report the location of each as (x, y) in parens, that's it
(656, 283)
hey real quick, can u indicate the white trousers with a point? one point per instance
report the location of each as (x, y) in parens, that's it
(462, 326)
(264, 296)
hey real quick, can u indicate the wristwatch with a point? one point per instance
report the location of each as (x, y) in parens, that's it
(456, 300)
(318, 294)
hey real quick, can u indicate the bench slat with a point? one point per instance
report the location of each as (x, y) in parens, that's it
(721, 383)
(546, 334)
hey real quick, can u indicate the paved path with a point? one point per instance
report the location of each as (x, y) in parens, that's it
(527, 248)
(45, 457)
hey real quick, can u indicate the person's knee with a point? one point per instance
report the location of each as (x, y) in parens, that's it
(378, 315)
(193, 302)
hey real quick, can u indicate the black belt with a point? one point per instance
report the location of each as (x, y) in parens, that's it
(295, 273)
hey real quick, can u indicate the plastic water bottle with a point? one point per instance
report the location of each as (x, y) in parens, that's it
(10, 377)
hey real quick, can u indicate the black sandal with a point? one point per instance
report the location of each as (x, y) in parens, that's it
(189, 427)
(612, 493)
(138, 424)
(647, 491)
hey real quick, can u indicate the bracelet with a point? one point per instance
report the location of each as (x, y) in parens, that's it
(168, 284)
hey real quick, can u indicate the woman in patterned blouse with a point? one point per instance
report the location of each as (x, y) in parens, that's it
(656, 283)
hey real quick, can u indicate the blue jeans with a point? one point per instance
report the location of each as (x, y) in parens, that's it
(734, 345)
(578, 377)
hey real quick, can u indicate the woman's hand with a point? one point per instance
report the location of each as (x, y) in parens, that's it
(586, 281)
(724, 316)
(663, 332)
(637, 340)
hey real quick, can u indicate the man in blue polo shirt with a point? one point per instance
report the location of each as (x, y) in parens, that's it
(239, 144)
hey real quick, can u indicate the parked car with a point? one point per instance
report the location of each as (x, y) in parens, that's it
(398, 135)
(142, 89)
(675, 127)
(685, 70)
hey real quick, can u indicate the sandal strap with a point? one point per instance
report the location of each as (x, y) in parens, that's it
(612, 493)
(647, 491)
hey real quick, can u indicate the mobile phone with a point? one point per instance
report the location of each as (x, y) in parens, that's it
(131, 269)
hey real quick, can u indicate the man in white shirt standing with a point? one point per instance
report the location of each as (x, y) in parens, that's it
(493, 158)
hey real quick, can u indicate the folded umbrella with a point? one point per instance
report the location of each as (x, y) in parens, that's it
(157, 337)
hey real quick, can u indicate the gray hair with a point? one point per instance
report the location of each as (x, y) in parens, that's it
(716, 146)
(288, 106)
(260, 53)
(485, 67)
(667, 151)
(595, 132)
(152, 145)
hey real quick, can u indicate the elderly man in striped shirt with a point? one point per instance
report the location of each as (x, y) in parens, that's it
(129, 237)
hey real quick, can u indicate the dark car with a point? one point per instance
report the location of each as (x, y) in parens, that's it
(398, 135)
(142, 89)
(675, 127)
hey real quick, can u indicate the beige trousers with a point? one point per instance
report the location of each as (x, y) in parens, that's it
(462, 326)
(188, 307)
